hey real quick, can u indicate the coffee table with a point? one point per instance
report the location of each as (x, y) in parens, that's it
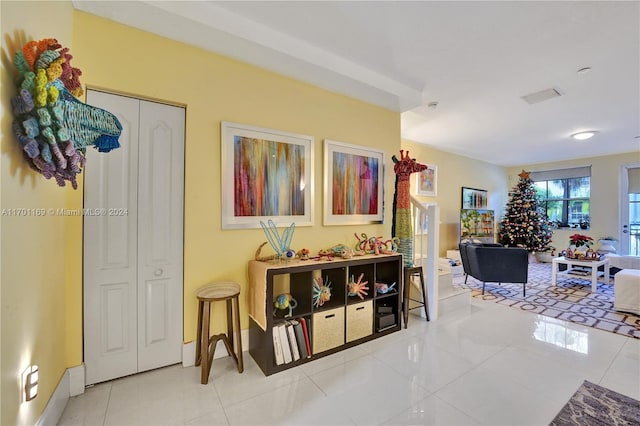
(593, 264)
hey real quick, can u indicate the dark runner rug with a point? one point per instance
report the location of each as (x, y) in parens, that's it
(571, 300)
(594, 405)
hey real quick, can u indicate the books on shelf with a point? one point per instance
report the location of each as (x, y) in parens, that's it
(305, 330)
(284, 340)
(299, 334)
(277, 347)
(579, 271)
(291, 341)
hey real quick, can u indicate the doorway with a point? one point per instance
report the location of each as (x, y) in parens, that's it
(133, 241)
(630, 209)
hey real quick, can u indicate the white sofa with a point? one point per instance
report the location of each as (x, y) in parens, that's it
(624, 262)
(626, 283)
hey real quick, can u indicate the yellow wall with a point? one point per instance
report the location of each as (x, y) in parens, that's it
(453, 172)
(35, 268)
(214, 88)
(605, 193)
(41, 297)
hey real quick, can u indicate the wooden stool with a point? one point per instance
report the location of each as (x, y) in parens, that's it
(205, 344)
(410, 272)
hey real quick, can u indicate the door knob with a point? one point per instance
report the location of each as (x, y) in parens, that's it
(158, 272)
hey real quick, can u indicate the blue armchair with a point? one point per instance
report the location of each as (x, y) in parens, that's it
(495, 263)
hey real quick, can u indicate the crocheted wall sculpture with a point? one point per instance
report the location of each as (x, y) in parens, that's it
(51, 125)
(402, 227)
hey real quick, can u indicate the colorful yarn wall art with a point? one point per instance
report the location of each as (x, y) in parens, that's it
(51, 125)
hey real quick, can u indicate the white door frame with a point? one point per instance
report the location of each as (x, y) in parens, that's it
(624, 207)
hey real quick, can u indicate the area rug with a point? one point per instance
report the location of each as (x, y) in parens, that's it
(571, 300)
(594, 405)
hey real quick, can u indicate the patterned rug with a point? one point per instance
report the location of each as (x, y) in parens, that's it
(571, 300)
(595, 405)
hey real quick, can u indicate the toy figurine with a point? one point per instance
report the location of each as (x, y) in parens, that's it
(383, 288)
(321, 291)
(357, 288)
(285, 301)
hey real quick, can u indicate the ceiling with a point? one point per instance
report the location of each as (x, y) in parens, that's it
(475, 59)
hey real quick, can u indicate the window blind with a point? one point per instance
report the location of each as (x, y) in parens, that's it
(573, 172)
(634, 180)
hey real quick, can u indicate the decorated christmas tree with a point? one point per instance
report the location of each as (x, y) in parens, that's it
(525, 222)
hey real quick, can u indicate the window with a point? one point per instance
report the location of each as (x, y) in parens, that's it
(565, 195)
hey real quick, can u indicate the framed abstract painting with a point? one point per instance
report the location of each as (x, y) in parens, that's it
(353, 184)
(473, 198)
(266, 174)
(427, 181)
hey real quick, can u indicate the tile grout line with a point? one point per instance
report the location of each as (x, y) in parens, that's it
(106, 410)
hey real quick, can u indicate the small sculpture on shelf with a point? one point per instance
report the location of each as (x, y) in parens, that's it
(285, 301)
(375, 245)
(280, 243)
(383, 288)
(321, 291)
(357, 288)
(303, 254)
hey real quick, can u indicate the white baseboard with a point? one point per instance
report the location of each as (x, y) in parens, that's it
(76, 380)
(189, 354)
(189, 349)
(71, 384)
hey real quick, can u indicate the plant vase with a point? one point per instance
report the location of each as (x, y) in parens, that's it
(544, 257)
(606, 246)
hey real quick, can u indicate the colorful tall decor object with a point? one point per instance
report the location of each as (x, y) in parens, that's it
(52, 127)
(525, 221)
(402, 227)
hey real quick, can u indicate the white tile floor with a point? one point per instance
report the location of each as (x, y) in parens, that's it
(491, 365)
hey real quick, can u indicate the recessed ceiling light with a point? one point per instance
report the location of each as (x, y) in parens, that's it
(581, 136)
(584, 70)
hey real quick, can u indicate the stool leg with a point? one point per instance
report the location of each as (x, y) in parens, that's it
(425, 296)
(199, 333)
(405, 297)
(239, 349)
(230, 322)
(204, 345)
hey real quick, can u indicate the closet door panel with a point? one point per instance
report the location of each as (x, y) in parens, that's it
(110, 248)
(160, 230)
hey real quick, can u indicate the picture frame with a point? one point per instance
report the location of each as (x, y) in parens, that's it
(353, 184)
(422, 229)
(427, 181)
(477, 226)
(473, 198)
(266, 174)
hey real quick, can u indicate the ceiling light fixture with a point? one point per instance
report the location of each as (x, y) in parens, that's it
(581, 136)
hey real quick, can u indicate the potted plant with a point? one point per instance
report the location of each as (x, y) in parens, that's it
(546, 255)
(584, 222)
(607, 244)
(580, 243)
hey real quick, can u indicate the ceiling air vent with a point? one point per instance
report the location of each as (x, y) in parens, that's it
(543, 95)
